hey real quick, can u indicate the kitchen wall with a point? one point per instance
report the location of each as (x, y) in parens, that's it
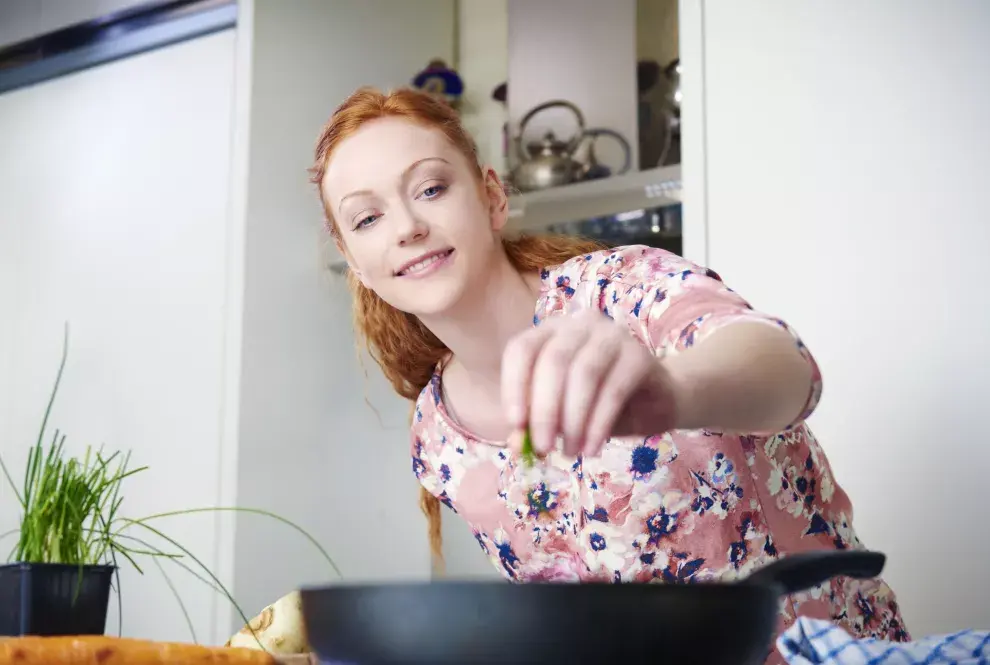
(310, 446)
(113, 217)
(161, 204)
(846, 190)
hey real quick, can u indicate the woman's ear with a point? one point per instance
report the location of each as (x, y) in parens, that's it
(498, 201)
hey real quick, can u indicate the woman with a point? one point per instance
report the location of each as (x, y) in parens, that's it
(669, 414)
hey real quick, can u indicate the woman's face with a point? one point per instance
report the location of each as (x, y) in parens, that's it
(415, 226)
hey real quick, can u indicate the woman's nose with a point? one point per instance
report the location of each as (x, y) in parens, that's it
(409, 227)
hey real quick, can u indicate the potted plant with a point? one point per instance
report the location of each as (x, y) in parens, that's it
(59, 583)
(73, 536)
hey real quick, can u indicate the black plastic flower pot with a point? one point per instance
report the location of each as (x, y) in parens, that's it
(54, 599)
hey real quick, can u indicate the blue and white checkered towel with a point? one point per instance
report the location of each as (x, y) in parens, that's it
(816, 642)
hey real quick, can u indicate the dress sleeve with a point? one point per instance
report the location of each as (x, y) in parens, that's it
(672, 304)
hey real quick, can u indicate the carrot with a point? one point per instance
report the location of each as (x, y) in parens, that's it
(102, 650)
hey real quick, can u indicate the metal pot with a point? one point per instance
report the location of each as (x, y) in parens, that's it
(548, 162)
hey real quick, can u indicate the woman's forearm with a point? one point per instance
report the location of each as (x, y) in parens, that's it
(746, 377)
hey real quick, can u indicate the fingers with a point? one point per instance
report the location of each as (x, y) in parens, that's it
(550, 383)
(623, 378)
(587, 373)
(518, 364)
(572, 379)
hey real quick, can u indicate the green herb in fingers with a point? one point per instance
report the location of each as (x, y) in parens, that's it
(538, 475)
(528, 455)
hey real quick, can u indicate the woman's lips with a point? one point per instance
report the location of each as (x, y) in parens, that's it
(426, 264)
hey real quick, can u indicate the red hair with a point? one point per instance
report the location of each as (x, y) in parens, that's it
(404, 348)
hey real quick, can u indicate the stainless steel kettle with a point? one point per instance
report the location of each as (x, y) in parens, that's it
(549, 162)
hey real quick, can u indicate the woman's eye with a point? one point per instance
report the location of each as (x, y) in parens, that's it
(433, 191)
(365, 221)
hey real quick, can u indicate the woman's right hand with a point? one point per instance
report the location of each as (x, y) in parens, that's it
(584, 378)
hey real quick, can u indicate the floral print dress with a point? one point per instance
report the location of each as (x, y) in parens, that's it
(678, 507)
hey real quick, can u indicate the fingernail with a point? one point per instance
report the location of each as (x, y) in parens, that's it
(574, 448)
(544, 445)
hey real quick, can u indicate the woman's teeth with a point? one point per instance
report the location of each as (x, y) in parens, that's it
(425, 263)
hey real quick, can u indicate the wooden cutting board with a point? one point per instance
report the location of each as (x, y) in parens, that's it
(103, 650)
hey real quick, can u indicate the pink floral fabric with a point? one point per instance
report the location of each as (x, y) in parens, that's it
(678, 507)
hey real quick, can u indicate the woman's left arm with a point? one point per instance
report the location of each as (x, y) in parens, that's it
(733, 368)
(710, 360)
(744, 377)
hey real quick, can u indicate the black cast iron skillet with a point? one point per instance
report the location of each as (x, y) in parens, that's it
(707, 623)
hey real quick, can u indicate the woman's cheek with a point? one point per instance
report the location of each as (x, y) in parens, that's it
(369, 257)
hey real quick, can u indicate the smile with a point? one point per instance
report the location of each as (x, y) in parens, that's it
(425, 264)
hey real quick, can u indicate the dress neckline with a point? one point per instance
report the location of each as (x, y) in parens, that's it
(436, 382)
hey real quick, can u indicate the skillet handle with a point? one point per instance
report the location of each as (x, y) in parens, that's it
(805, 570)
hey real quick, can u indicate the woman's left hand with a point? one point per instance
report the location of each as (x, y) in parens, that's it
(584, 378)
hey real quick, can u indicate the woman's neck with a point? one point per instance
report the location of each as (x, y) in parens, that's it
(498, 308)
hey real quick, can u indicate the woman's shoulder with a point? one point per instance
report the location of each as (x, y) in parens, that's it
(431, 425)
(626, 278)
(630, 264)
(427, 404)
(423, 433)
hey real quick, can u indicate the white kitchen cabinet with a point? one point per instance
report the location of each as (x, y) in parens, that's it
(835, 173)
(309, 445)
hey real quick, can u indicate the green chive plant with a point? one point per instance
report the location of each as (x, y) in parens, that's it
(71, 513)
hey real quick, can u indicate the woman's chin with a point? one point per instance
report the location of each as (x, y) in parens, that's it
(425, 300)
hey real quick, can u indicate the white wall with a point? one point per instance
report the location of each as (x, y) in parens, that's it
(847, 191)
(483, 63)
(310, 447)
(161, 204)
(113, 216)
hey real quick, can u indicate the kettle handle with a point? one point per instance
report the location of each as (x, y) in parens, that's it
(597, 132)
(578, 136)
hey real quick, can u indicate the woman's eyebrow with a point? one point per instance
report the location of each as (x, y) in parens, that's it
(405, 174)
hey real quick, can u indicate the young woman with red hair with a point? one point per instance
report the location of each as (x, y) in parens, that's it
(669, 414)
